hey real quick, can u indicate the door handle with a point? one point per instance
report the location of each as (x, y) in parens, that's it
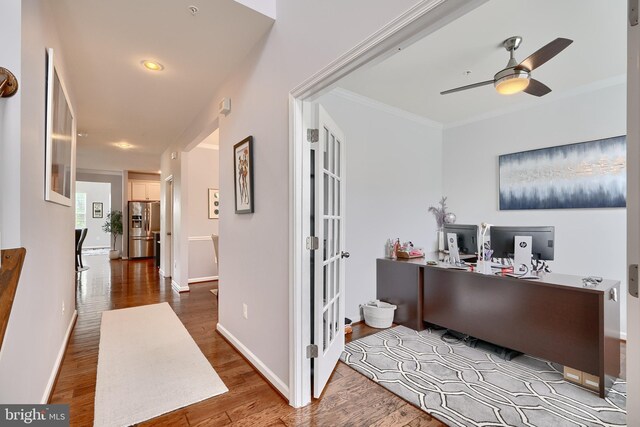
(344, 254)
(169, 234)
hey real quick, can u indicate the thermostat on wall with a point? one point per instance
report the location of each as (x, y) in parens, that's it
(174, 155)
(225, 106)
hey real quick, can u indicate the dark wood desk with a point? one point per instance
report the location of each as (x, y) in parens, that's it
(555, 317)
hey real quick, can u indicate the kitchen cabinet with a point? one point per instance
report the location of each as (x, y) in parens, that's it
(144, 190)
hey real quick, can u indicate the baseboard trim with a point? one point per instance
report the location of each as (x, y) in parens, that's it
(56, 367)
(276, 382)
(176, 287)
(623, 336)
(203, 279)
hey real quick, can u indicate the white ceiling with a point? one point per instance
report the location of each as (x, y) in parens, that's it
(117, 100)
(413, 78)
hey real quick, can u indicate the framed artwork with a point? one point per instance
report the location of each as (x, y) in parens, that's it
(214, 203)
(589, 174)
(97, 209)
(243, 175)
(60, 136)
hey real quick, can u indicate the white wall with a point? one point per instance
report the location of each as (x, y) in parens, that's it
(588, 241)
(259, 90)
(203, 173)
(35, 337)
(96, 192)
(10, 32)
(394, 172)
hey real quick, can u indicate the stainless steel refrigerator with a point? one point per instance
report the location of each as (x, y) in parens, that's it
(144, 219)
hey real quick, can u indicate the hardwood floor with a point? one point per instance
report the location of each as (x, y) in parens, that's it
(350, 399)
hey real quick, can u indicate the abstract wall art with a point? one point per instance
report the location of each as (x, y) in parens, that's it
(589, 174)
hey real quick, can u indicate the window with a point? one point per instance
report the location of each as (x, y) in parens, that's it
(81, 210)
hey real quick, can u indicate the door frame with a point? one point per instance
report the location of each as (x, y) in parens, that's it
(633, 212)
(168, 214)
(422, 19)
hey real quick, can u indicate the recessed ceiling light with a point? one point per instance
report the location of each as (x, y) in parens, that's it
(152, 65)
(123, 145)
(194, 10)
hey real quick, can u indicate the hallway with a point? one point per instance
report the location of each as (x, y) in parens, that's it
(350, 398)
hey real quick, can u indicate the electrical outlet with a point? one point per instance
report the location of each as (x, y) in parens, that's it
(245, 311)
(62, 306)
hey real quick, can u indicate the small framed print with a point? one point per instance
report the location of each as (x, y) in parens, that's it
(97, 210)
(214, 203)
(243, 175)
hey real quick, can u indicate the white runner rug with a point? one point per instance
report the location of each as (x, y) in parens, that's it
(148, 365)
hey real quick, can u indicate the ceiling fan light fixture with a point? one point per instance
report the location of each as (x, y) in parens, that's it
(513, 82)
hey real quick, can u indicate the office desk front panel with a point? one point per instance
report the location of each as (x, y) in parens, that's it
(555, 318)
(548, 322)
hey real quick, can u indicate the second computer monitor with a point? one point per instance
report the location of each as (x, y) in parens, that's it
(542, 241)
(467, 237)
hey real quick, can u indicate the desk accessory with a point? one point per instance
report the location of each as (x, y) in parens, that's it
(454, 253)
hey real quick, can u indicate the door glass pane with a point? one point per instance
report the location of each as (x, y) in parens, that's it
(324, 285)
(325, 249)
(338, 190)
(338, 242)
(325, 148)
(336, 320)
(333, 192)
(326, 194)
(332, 154)
(332, 280)
(331, 331)
(338, 155)
(325, 330)
(336, 291)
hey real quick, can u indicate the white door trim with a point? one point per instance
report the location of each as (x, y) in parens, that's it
(422, 19)
(633, 213)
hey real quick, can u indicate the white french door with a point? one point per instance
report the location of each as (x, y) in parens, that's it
(633, 213)
(328, 264)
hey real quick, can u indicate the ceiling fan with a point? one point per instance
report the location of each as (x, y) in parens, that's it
(516, 77)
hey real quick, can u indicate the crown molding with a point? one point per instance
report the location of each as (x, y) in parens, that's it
(385, 108)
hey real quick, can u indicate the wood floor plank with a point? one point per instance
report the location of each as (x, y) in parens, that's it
(349, 399)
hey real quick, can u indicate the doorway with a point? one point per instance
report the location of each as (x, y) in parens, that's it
(375, 54)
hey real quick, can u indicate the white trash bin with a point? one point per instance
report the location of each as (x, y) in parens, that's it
(378, 314)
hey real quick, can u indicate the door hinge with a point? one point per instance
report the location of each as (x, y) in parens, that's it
(633, 12)
(312, 351)
(313, 135)
(633, 280)
(313, 243)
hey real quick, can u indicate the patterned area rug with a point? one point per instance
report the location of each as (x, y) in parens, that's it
(463, 386)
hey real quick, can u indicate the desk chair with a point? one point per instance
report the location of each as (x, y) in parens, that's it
(79, 241)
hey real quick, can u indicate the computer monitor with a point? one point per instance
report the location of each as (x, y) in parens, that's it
(467, 237)
(542, 238)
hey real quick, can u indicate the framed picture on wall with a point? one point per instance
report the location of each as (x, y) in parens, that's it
(97, 209)
(60, 138)
(243, 175)
(214, 203)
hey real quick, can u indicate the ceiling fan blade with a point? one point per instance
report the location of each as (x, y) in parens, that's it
(544, 54)
(458, 89)
(536, 88)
